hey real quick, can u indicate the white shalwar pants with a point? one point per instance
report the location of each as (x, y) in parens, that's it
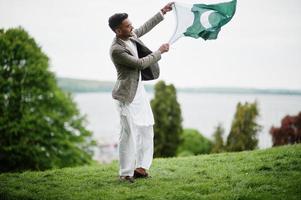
(136, 140)
(136, 146)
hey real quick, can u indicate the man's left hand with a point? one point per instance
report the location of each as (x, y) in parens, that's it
(167, 8)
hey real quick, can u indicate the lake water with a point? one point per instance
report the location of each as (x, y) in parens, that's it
(199, 111)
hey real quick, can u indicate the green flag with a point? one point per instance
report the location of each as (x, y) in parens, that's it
(202, 20)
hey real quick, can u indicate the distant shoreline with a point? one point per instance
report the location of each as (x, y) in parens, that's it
(89, 86)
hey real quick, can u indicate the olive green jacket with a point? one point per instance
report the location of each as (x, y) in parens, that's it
(128, 66)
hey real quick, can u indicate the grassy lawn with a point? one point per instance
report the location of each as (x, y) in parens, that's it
(273, 173)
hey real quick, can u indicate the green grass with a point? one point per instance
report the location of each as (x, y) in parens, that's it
(262, 174)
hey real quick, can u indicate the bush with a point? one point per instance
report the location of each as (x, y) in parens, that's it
(289, 132)
(193, 141)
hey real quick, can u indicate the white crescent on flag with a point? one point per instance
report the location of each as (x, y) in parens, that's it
(204, 19)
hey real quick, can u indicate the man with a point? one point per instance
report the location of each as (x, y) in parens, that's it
(134, 63)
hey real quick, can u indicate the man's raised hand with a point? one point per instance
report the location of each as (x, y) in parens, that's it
(167, 8)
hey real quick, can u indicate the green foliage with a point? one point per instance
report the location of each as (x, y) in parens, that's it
(40, 125)
(194, 142)
(218, 144)
(269, 174)
(168, 120)
(243, 134)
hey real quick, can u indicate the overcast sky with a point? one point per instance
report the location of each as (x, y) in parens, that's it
(260, 47)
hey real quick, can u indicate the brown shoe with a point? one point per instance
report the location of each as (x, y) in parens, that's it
(140, 173)
(127, 178)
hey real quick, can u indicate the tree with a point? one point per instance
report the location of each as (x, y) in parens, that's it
(289, 132)
(218, 144)
(194, 142)
(40, 125)
(244, 129)
(168, 120)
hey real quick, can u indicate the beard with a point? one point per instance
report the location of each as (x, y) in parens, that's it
(131, 34)
(126, 34)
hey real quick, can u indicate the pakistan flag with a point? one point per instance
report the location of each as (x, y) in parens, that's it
(201, 20)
